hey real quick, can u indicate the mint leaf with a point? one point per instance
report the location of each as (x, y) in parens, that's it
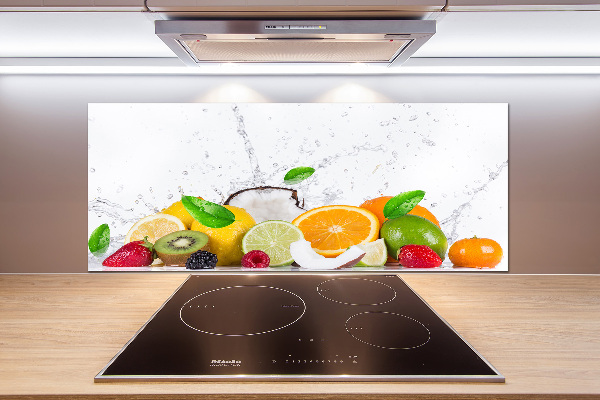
(401, 204)
(207, 213)
(99, 239)
(298, 174)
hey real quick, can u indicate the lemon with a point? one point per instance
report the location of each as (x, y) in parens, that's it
(226, 242)
(178, 210)
(376, 254)
(274, 238)
(154, 226)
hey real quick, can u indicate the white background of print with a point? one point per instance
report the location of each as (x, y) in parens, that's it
(143, 156)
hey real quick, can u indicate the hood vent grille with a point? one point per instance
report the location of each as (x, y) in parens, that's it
(295, 50)
(389, 42)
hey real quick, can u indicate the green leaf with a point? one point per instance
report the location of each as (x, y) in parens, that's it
(99, 239)
(401, 204)
(207, 213)
(298, 174)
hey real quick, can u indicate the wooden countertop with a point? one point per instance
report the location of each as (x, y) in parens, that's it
(542, 332)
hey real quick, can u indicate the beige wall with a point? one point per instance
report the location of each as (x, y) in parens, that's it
(554, 140)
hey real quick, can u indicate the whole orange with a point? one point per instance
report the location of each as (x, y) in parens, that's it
(376, 207)
(475, 253)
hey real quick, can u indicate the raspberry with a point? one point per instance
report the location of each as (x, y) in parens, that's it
(201, 260)
(418, 256)
(256, 259)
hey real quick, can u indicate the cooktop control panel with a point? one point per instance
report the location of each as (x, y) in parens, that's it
(297, 327)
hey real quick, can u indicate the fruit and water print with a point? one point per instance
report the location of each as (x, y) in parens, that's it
(303, 187)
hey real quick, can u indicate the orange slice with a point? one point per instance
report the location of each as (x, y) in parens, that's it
(332, 229)
(154, 226)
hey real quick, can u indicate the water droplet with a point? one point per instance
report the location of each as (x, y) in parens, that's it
(185, 172)
(137, 202)
(428, 142)
(92, 169)
(413, 117)
(169, 196)
(140, 196)
(407, 144)
(394, 154)
(345, 170)
(275, 165)
(433, 205)
(151, 190)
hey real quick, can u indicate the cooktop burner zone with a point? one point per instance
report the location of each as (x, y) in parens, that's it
(291, 327)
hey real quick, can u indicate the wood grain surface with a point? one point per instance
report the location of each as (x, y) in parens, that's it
(542, 332)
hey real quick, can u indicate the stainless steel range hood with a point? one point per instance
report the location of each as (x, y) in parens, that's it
(388, 42)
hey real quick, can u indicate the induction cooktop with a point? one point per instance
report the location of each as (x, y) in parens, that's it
(314, 327)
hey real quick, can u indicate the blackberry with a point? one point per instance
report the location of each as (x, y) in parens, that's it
(201, 260)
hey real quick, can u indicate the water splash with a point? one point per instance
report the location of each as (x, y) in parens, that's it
(258, 176)
(453, 221)
(354, 152)
(428, 142)
(111, 211)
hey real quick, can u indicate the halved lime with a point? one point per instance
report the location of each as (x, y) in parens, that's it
(376, 254)
(274, 238)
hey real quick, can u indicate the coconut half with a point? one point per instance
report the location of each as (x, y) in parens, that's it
(266, 203)
(306, 257)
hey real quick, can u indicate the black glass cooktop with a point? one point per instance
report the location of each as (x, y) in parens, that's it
(297, 327)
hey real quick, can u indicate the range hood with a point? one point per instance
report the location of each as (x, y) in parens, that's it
(387, 42)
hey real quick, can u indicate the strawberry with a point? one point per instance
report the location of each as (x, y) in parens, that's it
(133, 254)
(418, 256)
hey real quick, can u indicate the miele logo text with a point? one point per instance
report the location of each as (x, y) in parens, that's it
(225, 363)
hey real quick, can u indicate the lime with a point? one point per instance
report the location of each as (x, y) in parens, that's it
(376, 254)
(412, 229)
(274, 238)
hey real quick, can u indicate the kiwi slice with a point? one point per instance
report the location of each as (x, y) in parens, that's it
(176, 247)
